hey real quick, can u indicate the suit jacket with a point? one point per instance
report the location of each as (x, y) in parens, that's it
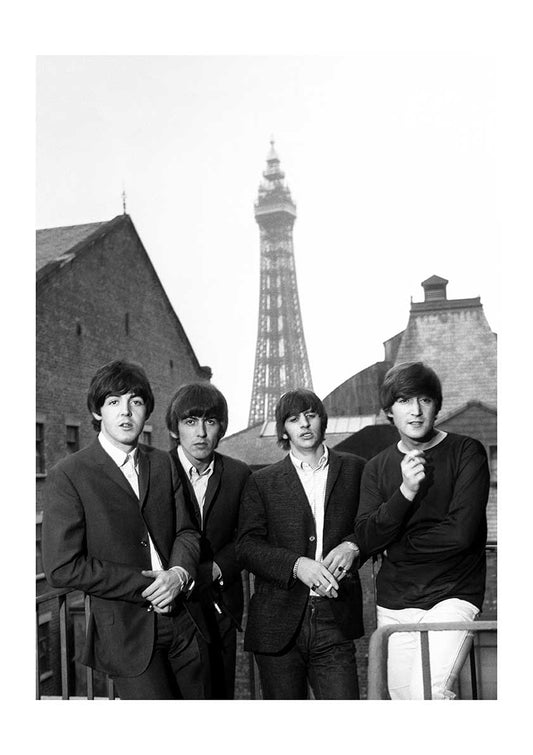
(218, 530)
(276, 526)
(95, 539)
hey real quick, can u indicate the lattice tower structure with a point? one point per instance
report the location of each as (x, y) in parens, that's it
(281, 361)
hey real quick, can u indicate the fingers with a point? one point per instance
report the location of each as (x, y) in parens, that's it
(163, 589)
(324, 583)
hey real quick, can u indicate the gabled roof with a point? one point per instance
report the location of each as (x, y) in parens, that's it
(465, 407)
(57, 246)
(52, 244)
(434, 280)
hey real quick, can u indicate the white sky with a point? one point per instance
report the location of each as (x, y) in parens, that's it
(390, 160)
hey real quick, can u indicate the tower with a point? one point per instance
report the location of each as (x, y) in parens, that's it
(281, 361)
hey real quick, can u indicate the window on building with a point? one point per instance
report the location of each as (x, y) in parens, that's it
(73, 438)
(493, 463)
(45, 666)
(39, 447)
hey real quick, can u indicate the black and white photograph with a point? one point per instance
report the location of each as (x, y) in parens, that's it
(271, 282)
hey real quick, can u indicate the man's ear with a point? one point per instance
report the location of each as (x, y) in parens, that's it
(174, 435)
(97, 416)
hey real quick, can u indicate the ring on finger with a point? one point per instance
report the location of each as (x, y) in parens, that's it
(340, 568)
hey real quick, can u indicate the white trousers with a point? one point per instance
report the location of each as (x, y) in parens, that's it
(404, 661)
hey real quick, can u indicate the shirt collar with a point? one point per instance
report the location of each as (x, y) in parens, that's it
(191, 469)
(118, 456)
(301, 464)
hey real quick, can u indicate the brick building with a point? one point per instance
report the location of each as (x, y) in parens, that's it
(98, 298)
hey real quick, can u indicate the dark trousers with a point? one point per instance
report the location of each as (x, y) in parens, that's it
(222, 652)
(175, 668)
(319, 655)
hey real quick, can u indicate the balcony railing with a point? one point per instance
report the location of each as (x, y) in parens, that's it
(60, 607)
(482, 681)
(80, 681)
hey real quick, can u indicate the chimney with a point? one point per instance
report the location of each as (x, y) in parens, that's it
(434, 288)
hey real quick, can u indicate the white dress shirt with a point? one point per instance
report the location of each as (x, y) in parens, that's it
(314, 481)
(198, 480)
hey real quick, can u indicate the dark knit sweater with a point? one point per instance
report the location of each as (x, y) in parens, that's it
(435, 544)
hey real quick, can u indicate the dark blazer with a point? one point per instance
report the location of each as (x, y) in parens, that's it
(219, 528)
(276, 526)
(95, 539)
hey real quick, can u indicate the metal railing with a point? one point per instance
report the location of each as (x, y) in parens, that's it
(59, 597)
(378, 655)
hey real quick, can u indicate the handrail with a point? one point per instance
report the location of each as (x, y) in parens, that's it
(60, 595)
(378, 652)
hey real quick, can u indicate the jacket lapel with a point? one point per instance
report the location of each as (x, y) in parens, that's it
(186, 489)
(213, 485)
(144, 476)
(296, 488)
(108, 467)
(335, 464)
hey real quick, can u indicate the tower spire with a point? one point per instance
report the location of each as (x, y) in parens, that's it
(281, 361)
(123, 200)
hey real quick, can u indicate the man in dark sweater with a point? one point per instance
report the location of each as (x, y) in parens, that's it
(423, 503)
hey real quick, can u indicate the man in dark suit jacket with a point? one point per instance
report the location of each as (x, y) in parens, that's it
(296, 536)
(114, 528)
(212, 484)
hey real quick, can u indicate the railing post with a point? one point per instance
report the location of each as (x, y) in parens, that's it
(37, 663)
(426, 669)
(63, 635)
(89, 672)
(473, 671)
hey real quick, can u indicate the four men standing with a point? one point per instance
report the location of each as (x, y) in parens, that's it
(152, 538)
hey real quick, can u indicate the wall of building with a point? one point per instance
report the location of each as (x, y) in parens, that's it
(460, 346)
(106, 303)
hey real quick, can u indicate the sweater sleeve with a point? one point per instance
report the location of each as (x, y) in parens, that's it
(379, 521)
(465, 519)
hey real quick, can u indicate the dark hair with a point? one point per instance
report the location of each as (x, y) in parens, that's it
(407, 380)
(200, 399)
(115, 379)
(294, 403)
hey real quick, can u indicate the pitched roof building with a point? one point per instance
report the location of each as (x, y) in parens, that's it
(99, 298)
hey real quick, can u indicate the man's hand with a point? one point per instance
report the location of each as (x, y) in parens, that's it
(315, 575)
(166, 586)
(340, 559)
(413, 473)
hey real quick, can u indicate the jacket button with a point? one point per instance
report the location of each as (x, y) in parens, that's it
(312, 539)
(144, 543)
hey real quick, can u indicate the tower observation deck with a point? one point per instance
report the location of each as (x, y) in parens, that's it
(281, 361)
